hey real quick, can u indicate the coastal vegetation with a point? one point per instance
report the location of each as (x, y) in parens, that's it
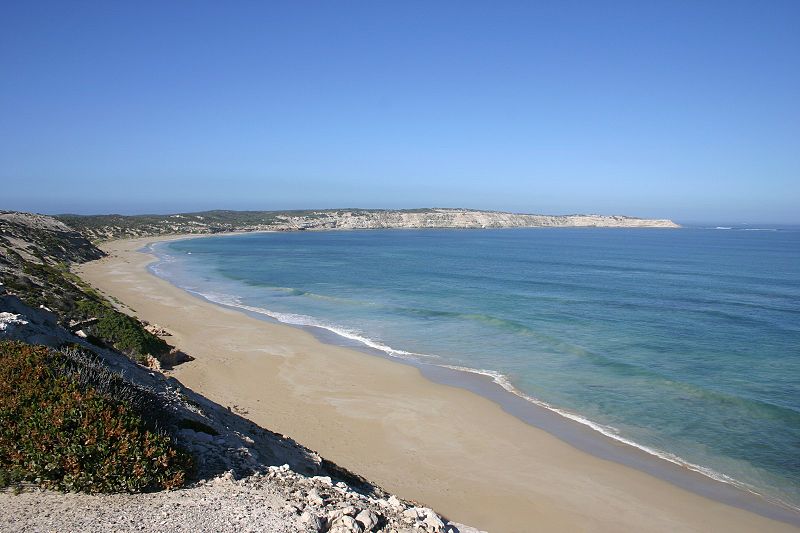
(67, 423)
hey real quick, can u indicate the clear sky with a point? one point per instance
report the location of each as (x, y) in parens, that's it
(688, 110)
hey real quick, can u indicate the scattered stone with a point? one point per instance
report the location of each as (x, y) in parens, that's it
(395, 502)
(342, 511)
(157, 330)
(410, 516)
(345, 524)
(150, 362)
(368, 519)
(433, 522)
(312, 521)
(314, 498)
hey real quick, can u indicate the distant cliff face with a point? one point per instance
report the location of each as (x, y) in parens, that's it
(458, 218)
(105, 227)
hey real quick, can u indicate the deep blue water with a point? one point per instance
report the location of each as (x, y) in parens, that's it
(685, 342)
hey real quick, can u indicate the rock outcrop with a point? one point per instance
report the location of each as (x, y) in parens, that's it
(33, 326)
(41, 238)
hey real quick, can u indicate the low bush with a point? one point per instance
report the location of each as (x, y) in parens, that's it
(60, 431)
(123, 332)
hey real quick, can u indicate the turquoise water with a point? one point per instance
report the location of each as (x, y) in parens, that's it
(683, 342)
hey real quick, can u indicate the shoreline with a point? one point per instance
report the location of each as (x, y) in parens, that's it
(574, 429)
(554, 480)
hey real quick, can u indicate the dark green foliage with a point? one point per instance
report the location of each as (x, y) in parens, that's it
(10, 476)
(58, 430)
(121, 331)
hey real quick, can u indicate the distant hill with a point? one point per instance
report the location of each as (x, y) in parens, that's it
(108, 227)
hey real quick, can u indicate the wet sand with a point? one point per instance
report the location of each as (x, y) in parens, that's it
(447, 447)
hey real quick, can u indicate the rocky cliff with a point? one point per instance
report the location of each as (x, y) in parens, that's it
(106, 227)
(457, 218)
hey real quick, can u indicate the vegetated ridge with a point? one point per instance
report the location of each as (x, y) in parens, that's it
(108, 227)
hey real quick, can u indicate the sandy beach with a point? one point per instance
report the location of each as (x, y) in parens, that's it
(443, 446)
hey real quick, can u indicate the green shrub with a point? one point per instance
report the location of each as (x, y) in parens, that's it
(123, 332)
(54, 287)
(65, 435)
(127, 335)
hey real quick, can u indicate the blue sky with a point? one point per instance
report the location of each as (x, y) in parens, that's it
(688, 110)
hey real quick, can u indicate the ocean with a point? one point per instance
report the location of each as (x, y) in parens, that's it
(684, 343)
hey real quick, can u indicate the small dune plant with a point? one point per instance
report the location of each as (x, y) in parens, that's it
(68, 423)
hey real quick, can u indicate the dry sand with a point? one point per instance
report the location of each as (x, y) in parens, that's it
(446, 447)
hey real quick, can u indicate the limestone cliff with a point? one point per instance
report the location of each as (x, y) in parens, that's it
(106, 227)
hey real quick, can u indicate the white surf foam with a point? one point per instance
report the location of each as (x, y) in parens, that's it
(498, 378)
(612, 433)
(295, 319)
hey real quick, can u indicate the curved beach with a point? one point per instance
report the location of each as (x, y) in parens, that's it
(472, 460)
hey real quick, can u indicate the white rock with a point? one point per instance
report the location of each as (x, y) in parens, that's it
(368, 519)
(314, 498)
(433, 522)
(395, 503)
(410, 515)
(343, 511)
(345, 524)
(312, 521)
